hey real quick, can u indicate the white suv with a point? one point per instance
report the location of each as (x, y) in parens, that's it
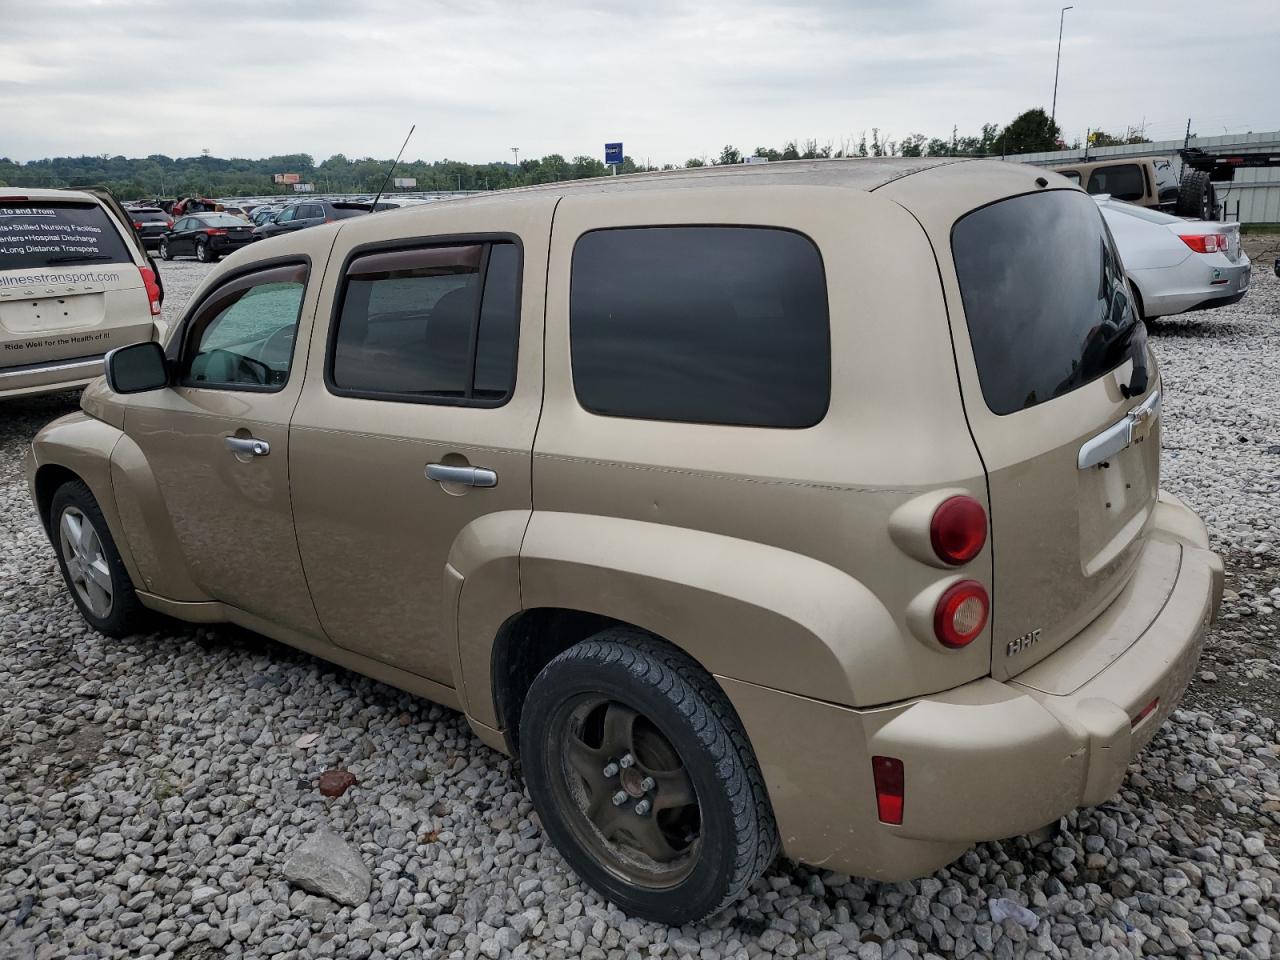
(75, 283)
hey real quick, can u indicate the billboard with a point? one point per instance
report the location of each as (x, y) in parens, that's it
(287, 177)
(304, 188)
(405, 183)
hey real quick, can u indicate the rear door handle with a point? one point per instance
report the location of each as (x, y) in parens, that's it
(248, 446)
(468, 476)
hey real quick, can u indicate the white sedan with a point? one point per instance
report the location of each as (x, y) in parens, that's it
(1175, 265)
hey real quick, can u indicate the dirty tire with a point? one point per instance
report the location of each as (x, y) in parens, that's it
(1196, 196)
(738, 835)
(127, 614)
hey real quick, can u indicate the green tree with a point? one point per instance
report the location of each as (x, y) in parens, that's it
(729, 155)
(1030, 132)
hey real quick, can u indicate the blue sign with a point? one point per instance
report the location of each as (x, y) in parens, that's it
(613, 153)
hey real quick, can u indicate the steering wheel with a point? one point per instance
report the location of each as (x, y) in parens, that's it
(239, 368)
(282, 342)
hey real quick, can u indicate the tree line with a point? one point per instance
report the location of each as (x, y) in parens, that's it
(162, 176)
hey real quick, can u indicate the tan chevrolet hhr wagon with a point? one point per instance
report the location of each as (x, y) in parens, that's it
(810, 505)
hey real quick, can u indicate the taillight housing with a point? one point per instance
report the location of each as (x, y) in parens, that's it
(961, 614)
(137, 225)
(216, 232)
(152, 288)
(890, 782)
(958, 530)
(1206, 242)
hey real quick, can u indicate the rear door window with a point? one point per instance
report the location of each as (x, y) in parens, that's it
(724, 325)
(51, 234)
(430, 325)
(1044, 297)
(1124, 182)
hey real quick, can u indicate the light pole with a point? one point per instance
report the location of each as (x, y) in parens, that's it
(515, 151)
(1053, 111)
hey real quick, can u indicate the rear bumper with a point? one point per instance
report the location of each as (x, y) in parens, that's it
(50, 377)
(1194, 286)
(986, 760)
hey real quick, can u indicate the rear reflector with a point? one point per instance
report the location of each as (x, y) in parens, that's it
(153, 289)
(1145, 712)
(958, 530)
(1205, 242)
(961, 614)
(889, 780)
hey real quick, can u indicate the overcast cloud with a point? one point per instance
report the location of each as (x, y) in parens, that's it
(672, 80)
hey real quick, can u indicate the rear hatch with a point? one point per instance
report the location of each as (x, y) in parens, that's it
(69, 284)
(1072, 453)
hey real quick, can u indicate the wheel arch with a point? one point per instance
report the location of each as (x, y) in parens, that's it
(741, 610)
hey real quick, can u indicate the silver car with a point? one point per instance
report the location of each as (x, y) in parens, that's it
(1173, 264)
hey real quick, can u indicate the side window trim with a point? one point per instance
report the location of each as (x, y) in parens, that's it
(180, 342)
(487, 241)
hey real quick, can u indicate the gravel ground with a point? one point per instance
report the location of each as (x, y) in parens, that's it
(152, 789)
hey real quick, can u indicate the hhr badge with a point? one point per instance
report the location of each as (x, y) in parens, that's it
(1024, 642)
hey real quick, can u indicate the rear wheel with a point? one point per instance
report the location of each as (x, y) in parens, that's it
(644, 779)
(91, 564)
(1197, 197)
(164, 250)
(203, 253)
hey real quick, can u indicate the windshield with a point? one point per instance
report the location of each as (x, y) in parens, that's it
(42, 233)
(1044, 297)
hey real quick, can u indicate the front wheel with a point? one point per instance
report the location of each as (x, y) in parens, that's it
(164, 250)
(90, 563)
(644, 779)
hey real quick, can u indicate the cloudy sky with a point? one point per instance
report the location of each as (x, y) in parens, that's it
(671, 79)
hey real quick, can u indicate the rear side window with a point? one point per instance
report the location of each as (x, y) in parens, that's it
(44, 234)
(723, 325)
(1072, 175)
(1124, 182)
(430, 324)
(1044, 297)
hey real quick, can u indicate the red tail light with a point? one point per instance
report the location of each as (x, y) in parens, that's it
(958, 530)
(961, 614)
(137, 225)
(216, 232)
(890, 788)
(153, 289)
(1205, 242)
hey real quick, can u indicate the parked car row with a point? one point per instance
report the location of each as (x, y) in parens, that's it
(652, 490)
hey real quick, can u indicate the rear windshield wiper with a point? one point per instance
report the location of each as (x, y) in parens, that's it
(79, 257)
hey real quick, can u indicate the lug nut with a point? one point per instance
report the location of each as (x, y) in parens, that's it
(626, 761)
(620, 798)
(647, 784)
(611, 769)
(643, 807)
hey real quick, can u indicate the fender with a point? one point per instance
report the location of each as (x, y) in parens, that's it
(82, 445)
(743, 610)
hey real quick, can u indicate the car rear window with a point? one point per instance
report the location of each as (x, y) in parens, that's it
(48, 234)
(220, 220)
(723, 325)
(342, 213)
(1044, 296)
(1123, 182)
(149, 216)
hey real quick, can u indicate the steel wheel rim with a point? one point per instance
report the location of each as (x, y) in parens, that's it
(657, 848)
(86, 561)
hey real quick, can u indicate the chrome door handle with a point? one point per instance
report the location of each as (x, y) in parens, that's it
(468, 476)
(248, 446)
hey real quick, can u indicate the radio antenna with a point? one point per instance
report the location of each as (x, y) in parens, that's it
(374, 208)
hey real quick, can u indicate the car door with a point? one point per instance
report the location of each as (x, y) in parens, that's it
(217, 441)
(281, 223)
(417, 421)
(177, 235)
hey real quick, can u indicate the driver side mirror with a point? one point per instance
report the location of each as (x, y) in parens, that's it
(137, 368)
